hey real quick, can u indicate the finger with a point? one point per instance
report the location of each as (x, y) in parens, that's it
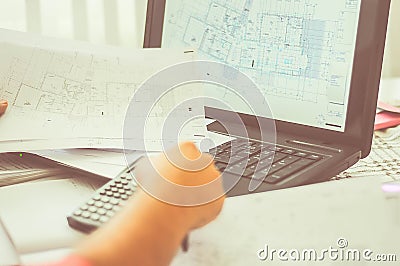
(188, 158)
(3, 106)
(171, 182)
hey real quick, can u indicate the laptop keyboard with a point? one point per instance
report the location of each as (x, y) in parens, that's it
(253, 159)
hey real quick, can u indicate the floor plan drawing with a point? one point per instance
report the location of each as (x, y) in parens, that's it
(297, 51)
(70, 94)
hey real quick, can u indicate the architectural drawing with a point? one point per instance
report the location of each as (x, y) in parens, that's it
(299, 52)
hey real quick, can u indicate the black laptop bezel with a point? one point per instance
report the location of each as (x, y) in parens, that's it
(367, 68)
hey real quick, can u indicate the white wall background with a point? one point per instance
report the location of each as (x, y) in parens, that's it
(392, 55)
(121, 22)
(117, 22)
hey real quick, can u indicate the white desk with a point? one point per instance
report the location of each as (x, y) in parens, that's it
(303, 218)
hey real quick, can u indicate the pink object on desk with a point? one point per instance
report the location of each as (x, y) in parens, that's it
(388, 107)
(389, 117)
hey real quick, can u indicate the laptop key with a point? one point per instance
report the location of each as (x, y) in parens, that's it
(237, 169)
(283, 173)
(275, 148)
(265, 162)
(279, 156)
(276, 166)
(314, 157)
(216, 150)
(260, 174)
(220, 166)
(227, 157)
(250, 150)
(225, 145)
(301, 154)
(250, 170)
(223, 157)
(288, 151)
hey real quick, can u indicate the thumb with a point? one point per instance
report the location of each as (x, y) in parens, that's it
(3, 106)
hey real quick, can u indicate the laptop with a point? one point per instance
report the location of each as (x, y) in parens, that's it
(319, 63)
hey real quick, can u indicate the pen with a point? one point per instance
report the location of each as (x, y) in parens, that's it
(185, 243)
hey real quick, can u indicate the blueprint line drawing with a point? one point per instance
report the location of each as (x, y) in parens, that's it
(299, 52)
(65, 84)
(59, 95)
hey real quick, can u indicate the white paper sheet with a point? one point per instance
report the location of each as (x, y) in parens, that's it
(55, 94)
(35, 213)
(105, 163)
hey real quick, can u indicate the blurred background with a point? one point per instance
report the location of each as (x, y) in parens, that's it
(121, 22)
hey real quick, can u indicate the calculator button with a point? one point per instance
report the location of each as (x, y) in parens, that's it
(86, 214)
(110, 213)
(117, 195)
(121, 191)
(78, 213)
(84, 208)
(124, 182)
(95, 217)
(90, 202)
(101, 211)
(117, 181)
(129, 178)
(114, 189)
(103, 219)
(92, 209)
(108, 206)
(99, 204)
(123, 177)
(120, 186)
(97, 197)
(124, 197)
(114, 201)
(109, 193)
(129, 193)
(103, 193)
(105, 199)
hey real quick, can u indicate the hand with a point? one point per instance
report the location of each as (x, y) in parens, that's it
(149, 230)
(3, 106)
(184, 184)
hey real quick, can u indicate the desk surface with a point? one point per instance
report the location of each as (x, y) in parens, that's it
(307, 217)
(301, 218)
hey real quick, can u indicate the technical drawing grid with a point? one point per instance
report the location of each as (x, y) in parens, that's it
(297, 51)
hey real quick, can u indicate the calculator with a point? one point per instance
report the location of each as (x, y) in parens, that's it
(106, 201)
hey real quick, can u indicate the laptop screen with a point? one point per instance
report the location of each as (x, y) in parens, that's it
(300, 53)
